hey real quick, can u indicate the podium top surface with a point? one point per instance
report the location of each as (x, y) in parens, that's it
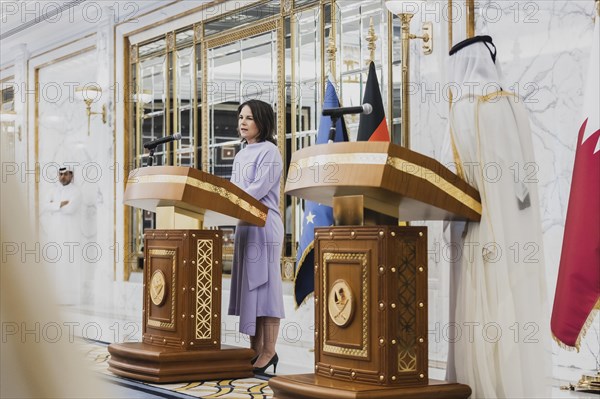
(221, 202)
(394, 181)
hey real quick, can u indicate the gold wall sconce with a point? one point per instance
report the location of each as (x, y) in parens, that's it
(89, 94)
(405, 10)
(9, 116)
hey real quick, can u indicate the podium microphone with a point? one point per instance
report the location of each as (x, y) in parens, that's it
(366, 109)
(336, 113)
(167, 139)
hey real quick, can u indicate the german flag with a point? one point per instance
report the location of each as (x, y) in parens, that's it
(373, 127)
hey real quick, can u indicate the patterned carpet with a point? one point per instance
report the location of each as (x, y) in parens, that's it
(246, 388)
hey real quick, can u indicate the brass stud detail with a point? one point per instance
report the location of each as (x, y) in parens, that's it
(421, 268)
(393, 342)
(421, 340)
(193, 262)
(420, 234)
(393, 233)
(151, 339)
(381, 233)
(185, 234)
(421, 375)
(167, 235)
(182, 342)
(316, 333)
(353, 374)
(316, 234)
(183, 289)
(352, 234)
(216, 288)
(393, 378)
(316, 367)
(183, 316)
(393, 306)
(381, 341)
(164, 340)
(316, 300)
(381, 377)
(381, 305)
(216, 235)
(331, 371)
(381, 269)
(216, 262)
(191, 316)
(216, 315)
(331, 234)
(393, 270)
(192, 343)
(420, 304)
(215, 342)
(193, 289)
(184, 261)
(193, 235)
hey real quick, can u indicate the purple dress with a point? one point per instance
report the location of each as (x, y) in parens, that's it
(256, 288)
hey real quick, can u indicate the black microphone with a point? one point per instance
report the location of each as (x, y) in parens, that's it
(167, 139)
(366, 109)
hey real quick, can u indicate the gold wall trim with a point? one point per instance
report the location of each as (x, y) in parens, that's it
(168, 19)
(202, 185)
(62, 46)
(204, 287)
(66, 57)
(233, 35)
(158, 323)
(397, 163)
(361, 259)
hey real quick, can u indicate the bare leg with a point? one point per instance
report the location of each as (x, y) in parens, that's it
(257, 341)
(270, 333)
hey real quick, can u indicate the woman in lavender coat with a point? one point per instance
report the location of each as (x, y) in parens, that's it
(256, 289)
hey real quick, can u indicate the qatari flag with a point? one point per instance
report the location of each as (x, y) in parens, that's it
(578, 286)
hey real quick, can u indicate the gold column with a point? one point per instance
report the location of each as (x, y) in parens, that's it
(470, 18)
(405, 105)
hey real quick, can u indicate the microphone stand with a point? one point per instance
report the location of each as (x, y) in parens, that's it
(332, 129)
(150, 160)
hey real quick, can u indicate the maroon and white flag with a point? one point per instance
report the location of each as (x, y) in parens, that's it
(578, 286)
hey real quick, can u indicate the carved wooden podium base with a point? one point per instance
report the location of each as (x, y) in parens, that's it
(157, 364)
(311, 386)
(370, 318)
(182, 313)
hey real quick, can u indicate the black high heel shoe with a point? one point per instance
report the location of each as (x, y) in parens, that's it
(254, 359)
(261, 370)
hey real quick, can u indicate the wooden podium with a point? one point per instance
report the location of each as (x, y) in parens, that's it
(371, 281)
(182, 277)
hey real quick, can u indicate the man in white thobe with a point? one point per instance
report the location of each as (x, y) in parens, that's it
(500, 347)
(62, 248)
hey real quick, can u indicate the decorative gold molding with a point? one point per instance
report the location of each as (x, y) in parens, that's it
(233, 35)
(470, 4)
(204, 287)
(361, 259)
(134, 53)
(61, 46)
(281, 105)
(170, 41)
(158, 323)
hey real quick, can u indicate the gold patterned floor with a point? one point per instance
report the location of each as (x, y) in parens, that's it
(246, 388)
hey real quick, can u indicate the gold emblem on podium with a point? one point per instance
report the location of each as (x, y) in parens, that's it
(158, 288)
(340, 303)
